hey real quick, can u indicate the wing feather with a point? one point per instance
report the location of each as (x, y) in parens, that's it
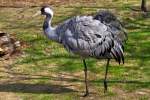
(116, 27)
(88, 37)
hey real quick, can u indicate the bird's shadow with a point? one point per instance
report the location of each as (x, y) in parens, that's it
(13, 84)
(34, 88)
(51, 88)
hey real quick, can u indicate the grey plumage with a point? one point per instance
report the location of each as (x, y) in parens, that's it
(88, 36)
(116, 26)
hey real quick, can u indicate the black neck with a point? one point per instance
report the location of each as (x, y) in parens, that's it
(47, 22)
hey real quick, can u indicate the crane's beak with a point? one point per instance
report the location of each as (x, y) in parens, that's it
(36, 14)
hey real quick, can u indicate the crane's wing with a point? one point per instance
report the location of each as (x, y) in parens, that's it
(116, 27)
(88, 37)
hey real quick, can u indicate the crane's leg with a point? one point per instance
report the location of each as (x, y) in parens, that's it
(105, 80)
(86, 81)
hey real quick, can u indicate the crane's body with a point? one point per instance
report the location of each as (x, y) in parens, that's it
(84, 36)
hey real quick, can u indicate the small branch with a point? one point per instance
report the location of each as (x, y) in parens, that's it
(138, 10)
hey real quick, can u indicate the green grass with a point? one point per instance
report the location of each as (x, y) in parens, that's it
(46, 71)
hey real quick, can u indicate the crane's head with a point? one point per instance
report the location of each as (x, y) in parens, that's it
(46, 10)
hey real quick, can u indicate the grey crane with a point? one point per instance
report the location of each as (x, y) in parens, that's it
(84, 36)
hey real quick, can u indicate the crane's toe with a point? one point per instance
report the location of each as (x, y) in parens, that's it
(86, 94)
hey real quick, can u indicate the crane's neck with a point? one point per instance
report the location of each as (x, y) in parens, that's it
(49, 31)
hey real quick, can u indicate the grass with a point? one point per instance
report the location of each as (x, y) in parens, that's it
(46, 71)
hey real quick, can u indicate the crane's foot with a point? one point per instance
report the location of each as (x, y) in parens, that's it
(86, 94)
(105, 86)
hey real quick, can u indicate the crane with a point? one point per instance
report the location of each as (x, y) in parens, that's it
(85, 36)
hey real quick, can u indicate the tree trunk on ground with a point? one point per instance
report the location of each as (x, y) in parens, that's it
(143, 5)
(8, 45)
